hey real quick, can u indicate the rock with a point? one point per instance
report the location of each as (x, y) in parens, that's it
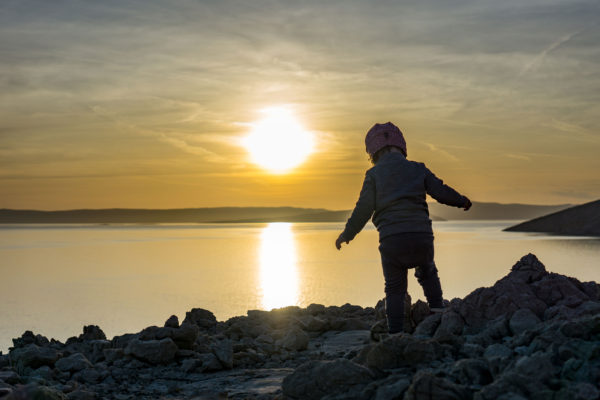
(419, 311)
(190, 364)
(428, 326)
(29, 338)
(314, 324)
(295, 339)
(172, 322)
(210, 362)
(393, 390)
(315, 309)
(523, 320)
(112, 355)
(402, 350)
(73, 363)
(498, 356)
(44, 372)
(451, 324)
(34, 356)
(36, 392)
(426, 385)
(184, 336)
(80, 394)
(123, 340)
(316, 379)
(204, 319)
(92, 332)
(223, 350)
(152, 351)
(10, 377)
(528, 269)
(471, 371)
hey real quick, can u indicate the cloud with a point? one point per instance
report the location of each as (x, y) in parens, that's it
(539, 58)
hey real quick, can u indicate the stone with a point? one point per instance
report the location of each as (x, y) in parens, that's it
(34, 356)
(523, 320)
(10, 377)
(184, 336)
(73, 363)
(210, 362)
(428, 326)
(315, 309)
(204, 319)
(81, 394)
(393, 390)
(419, 311)
(469, 371)
(28, 337)
(36, 392)
(425, 385)
(451, 324)
(172, 322)
(316, 379)
(402, 350)
(112, 355)
(44, 372)
(152, 351)
(295, 339)
(92, 332)
(223, 350)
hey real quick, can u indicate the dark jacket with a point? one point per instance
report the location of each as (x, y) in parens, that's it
(394, 193)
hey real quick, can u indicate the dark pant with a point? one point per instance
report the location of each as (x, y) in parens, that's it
(399, 253)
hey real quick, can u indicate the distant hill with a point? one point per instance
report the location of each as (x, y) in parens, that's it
(438, 212)
(578, 220)
(493, 211)
(181, 215)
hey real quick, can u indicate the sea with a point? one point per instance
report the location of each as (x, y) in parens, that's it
(54, 279)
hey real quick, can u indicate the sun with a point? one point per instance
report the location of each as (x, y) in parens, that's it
(278, 142)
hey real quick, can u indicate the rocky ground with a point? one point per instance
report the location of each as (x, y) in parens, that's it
(533, 335)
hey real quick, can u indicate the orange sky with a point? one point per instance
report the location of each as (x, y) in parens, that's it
(143, 104)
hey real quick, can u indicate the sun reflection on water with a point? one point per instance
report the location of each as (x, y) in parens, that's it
(278, 269)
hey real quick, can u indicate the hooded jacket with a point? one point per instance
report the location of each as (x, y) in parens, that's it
(394, 194)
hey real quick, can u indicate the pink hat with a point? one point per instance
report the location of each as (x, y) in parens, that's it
(381, 135)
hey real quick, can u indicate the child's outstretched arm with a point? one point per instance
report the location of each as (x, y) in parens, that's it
(443, 193)
(365, 206)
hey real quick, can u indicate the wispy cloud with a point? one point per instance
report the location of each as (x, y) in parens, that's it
(539, 58)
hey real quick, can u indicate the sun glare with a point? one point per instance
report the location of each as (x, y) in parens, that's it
(278, 142)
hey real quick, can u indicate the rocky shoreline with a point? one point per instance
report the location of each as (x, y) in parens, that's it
(533, 335)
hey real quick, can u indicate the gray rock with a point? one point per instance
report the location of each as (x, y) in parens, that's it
(428, 326)
(469, 371)
(523, 320)
(210, 362)
(316, 379)
(152, 351)
(190, 364)
(172, 322)
(184, 336)
(73, 363)
(451, 324)
(419, 311)
(81, 394)
(92, 332)
(393, 390)
(402, 350)
(34, 356)
(223, 350)
(426, 385)
(316, 309)
(44, 372)
(112, 355)
(204, 319)
(35, 392)
(295, 339)
(10, 377)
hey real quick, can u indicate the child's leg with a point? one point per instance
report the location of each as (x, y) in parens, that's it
(395, 290)
(427, 275)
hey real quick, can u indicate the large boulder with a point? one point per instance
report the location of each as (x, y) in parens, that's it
(152, 351)
(202, 318)
(92, 332)
(426, 385)
(73, 363)
(401, 351)
(316, 379)
(223, 350)
(34, 356)
(295, 339)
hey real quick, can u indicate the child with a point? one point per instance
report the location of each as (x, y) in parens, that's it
(394, 193)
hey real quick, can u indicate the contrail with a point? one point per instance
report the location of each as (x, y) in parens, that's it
(540, 57)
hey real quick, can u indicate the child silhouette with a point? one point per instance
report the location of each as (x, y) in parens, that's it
(394, 194)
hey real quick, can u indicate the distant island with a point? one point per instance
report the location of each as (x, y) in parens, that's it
(439, 212)
(581, 220)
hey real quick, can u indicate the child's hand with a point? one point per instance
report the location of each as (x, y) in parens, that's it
(467, 204)
(339, 241)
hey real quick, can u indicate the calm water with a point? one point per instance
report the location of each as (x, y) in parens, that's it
(55, 279)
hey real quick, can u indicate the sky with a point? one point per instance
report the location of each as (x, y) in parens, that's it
(145, 104)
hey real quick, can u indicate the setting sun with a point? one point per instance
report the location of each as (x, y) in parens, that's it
(278, 142)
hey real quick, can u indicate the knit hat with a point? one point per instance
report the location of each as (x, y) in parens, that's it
(381, 135)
